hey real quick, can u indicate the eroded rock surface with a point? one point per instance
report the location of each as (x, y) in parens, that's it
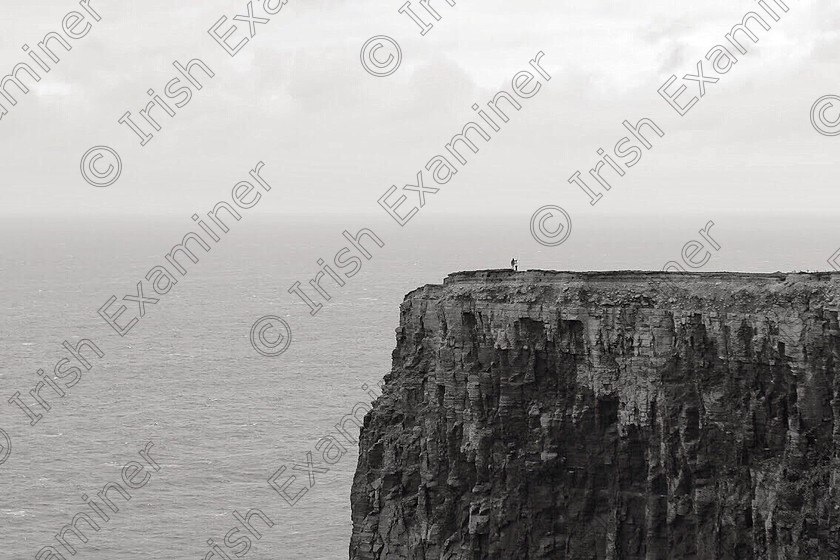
(621, 415)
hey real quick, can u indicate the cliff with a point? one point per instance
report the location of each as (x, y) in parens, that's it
(621, 415)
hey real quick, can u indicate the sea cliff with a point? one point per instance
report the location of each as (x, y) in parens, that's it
(607, 415)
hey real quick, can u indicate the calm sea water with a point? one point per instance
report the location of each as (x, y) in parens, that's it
(223, 418)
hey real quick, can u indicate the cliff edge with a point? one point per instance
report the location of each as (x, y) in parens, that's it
(607, 415)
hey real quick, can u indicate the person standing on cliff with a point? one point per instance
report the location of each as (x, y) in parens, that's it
(514, 264)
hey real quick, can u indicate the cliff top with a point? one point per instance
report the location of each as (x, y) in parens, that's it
(505, 273)
(739, 288)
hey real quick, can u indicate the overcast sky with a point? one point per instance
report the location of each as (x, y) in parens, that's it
(334, 138)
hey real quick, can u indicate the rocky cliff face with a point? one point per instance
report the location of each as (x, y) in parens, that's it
(599, 416)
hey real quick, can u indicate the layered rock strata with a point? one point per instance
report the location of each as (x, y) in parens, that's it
(620, 415)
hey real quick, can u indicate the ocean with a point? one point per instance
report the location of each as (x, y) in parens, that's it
(221, 417)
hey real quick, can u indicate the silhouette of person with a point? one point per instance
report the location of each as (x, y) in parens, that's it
(514, 264)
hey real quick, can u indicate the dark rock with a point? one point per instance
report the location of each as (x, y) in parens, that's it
(619, 415)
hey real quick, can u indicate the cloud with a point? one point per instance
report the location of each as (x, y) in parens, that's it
(297, 97)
